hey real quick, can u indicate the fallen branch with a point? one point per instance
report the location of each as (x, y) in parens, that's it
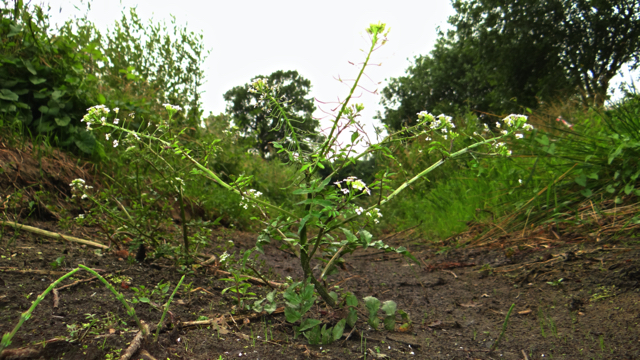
(135, 343)
(52, 234)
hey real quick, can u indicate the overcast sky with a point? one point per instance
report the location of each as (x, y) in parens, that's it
(316, 38)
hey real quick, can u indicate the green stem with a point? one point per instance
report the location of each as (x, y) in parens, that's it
(6, 338)
(119, 296)
(504, 328)
(166, 308)
(330, 140)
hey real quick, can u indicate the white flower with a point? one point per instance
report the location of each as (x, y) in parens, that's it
(89, 126)
(519, 136)
(359, 210)
(107, 135)
(498, 124)
(520, 181)
(116, 110)
(504, 132)
(84, 196)
(116, 121)
(103, 119)
(345, 191)
(115, 143)
(527, 127)
(172, 107)
(81, 216)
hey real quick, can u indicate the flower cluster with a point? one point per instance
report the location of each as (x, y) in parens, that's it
(172, 107)
(375, 214)
(354, 183)
(258, 85)
(251, 193)
(442, 123)
(78, 186)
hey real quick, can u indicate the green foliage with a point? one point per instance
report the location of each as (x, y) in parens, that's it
(502, 56)
(256, 122)
(45, 87)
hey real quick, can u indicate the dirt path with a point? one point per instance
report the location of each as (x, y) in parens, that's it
(575, 301)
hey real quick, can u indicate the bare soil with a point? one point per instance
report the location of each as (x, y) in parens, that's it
(573, 299)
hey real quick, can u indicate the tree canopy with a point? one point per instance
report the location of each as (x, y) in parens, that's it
(502, 55)
(254, 121)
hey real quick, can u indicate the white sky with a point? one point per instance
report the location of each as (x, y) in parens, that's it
(249, 38)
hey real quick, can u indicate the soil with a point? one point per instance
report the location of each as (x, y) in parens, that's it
(571, 299)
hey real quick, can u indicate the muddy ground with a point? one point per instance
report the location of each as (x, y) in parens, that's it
(457, 301)
(575, 297)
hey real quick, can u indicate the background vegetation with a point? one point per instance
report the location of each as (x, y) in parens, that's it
(552, 60)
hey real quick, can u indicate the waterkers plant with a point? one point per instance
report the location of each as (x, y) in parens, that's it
(331, 216)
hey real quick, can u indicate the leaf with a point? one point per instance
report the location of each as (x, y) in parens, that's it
(6, 94)
(586, 192)
(352, 317)
(307, 324)
(326, 335)
(365, 238)
(389, 323)
(372, 304)
(291, 314)
(389, 307)
(29, 67)
(36, 80)
(615, 153)
(350, 237)
(338, 330)
(85, 142)
(101, 99)
(64, 121)
(544, 140)
(354, 136)
(581, 180)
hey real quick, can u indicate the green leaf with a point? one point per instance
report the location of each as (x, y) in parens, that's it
(389, 307)
(586, 193)
(629, 188)
(544, 140)
(338, 330)
(36, 80)
(365, 238)
(354, 136)
(101, 99)
(350, 237)
(29, 66)
(85, 142)
(64, 121)
(307, 324)
(389, 323)
(615, 153)
(581, 180)
(6, 94)
(372, 304)
(291, 314)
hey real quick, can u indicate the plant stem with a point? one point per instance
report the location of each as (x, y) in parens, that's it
(120, 297)
(6, 338)
(166, 308)
(504, 328)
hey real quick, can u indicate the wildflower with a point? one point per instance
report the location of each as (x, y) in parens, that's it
(89, 126)
(359, 210)
(172, 107)
(476, 133)
(428, 138)
(84, 196)
(511, 119)
(345, 191)
(504, 132)
(520, 181)
(519, 136)
(115, 143)
(116, 121)
(527, 127)
(498, 124)
(107, 135)
(103, 119)
(116, 110)
(81, 216)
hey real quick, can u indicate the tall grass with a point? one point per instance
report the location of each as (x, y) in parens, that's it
(590, 159)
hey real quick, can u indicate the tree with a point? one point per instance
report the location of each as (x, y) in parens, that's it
(253, 121)
(504, 55)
